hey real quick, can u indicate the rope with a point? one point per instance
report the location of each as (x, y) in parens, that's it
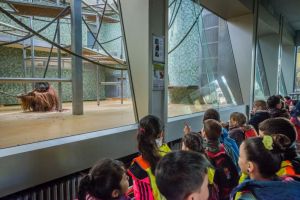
(10, 95)
(186, 33)
(111, 40)
(100, 23)
(56, 45)
(172, 15)
(31, 35)
(49, 57)
(100, 43)
(172, 22)
(171, 3)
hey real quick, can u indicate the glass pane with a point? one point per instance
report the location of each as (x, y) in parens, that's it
(201, 68)
(266, 53)
(106, 89)
(297, 79)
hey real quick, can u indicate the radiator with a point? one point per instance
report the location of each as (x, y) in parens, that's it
(65, 189)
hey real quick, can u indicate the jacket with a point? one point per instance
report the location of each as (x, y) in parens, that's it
(258, 117)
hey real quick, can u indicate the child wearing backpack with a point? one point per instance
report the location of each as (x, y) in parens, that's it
(238, 130)
(194, 142)
(226, 173)
(260, 159)
(230, 145)
(107, 180)
(151, 148)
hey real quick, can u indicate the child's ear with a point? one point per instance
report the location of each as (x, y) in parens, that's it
(250, 167)
(192, 196)
(115, 193)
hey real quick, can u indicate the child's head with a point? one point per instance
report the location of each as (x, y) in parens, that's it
(193, 142)
(260, 157)
(182, 175)
(212, 130)
(211, 114)
(237, 119)
(259, 105)
(274, 102)
(287, 98)
(150, 138)
(106, 180)
(278, 125)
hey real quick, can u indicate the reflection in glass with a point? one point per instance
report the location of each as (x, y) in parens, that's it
(201, 68)
(297, 79)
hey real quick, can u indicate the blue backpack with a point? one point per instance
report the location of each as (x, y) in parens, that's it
(231, 147)
(270, 190)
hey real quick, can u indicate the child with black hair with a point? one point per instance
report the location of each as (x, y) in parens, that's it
(230, 145)
(276, 108)
(238, 129)
(291, 160)
(182, 175)
(194, 142)
(260, 159)
(259, 113)
(107, 180)
(151, 148)
(226, 172)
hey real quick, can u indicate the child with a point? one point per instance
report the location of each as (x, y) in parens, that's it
(106, 180)
(238, 130)
(260, 159)
(193, 142)
(295, 119)
(226, 173)
(230, 145)
(182, 175)
(259, 113)
(275, 107)
(291, 161)
(151, 148)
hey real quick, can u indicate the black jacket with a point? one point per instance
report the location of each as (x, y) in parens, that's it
(274, 112)
(258, 117)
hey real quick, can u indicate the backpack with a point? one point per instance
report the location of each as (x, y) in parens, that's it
(231, 148)
(266, 190)
(226, 174)
(249, 132)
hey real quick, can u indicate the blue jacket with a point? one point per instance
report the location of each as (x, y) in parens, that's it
(230, 146)
(268, 190)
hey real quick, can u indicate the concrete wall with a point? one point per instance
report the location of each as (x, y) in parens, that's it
(269, 50)
(288, 66)
(240, 30)
(136, 22)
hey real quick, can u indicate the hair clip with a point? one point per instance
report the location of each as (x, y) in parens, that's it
(268, 142)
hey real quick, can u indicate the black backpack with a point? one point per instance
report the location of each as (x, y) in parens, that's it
(226, 174)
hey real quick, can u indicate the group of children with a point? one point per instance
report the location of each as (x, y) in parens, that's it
(239, 160)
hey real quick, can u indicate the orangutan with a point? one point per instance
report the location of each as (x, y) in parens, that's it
(42, 99)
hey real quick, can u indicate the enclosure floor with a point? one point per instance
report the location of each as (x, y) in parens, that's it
(18, 127)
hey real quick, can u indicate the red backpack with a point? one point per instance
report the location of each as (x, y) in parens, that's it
(249, 131)
(226, 174)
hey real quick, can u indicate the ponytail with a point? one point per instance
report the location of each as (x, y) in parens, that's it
(84, 186)
(149, 130)
(280, 143)
(267, 152)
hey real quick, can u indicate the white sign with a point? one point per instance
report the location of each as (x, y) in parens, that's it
(158, 49)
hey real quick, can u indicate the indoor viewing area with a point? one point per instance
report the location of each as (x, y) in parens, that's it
(150, 99)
